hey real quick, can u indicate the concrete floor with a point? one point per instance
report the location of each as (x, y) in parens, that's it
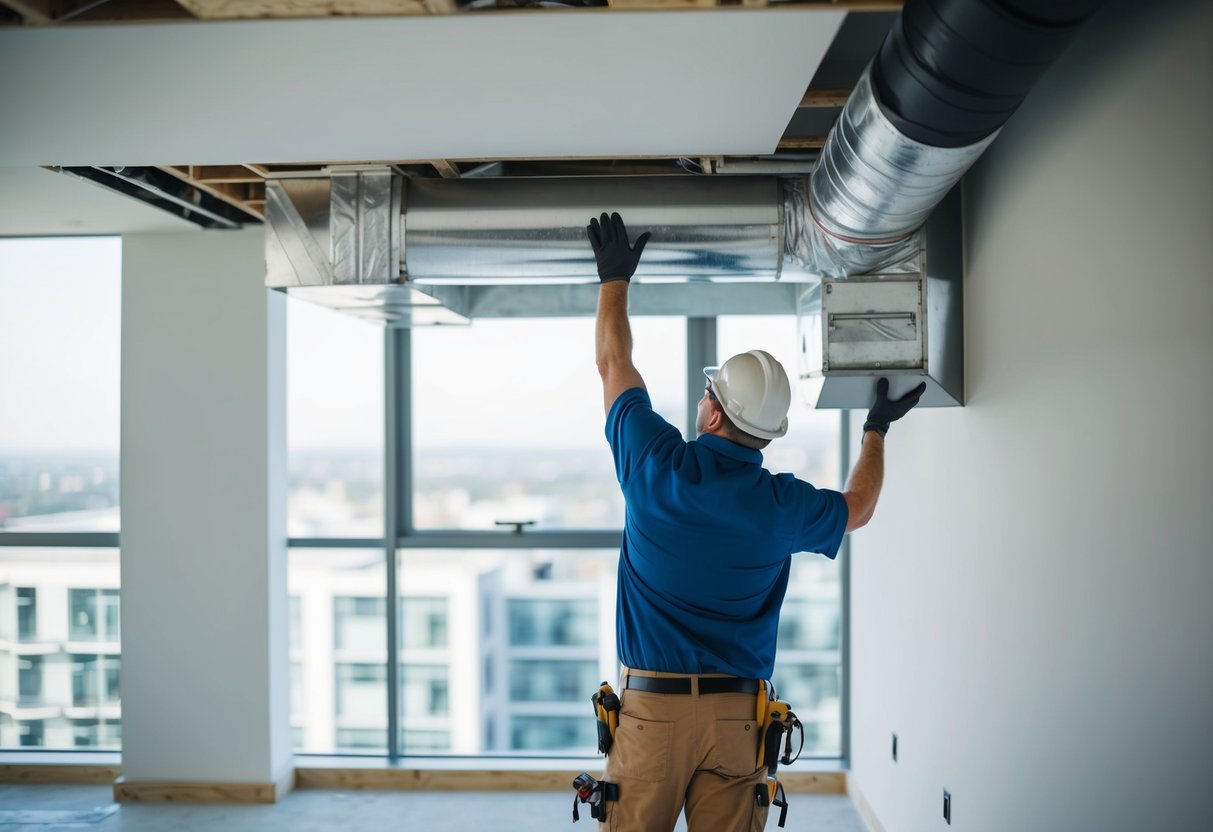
(30, 808)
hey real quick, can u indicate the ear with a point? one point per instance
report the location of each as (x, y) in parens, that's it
(715, 417)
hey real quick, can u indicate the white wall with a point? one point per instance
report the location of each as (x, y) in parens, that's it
(205, 677)
(1032, 607)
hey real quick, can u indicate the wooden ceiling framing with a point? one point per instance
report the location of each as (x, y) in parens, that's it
(243, 186)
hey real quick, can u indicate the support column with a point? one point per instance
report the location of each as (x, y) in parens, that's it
(205, 667)
(701, 352)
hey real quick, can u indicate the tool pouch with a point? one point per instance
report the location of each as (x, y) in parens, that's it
(776, 724)
(597, 797)
(771, 793)
(606, 711)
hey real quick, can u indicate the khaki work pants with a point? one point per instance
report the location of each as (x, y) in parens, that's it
(674, 750)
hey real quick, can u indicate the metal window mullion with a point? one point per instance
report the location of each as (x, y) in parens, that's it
(473, 539)
(701, 352)
(395, 510)
(79, 540)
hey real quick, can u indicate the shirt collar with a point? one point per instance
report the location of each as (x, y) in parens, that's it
(730, 449)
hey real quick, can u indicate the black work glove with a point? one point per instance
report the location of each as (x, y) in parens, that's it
(609, 239)
(885, 412)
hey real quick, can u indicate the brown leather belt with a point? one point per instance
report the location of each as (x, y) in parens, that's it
(682, 684)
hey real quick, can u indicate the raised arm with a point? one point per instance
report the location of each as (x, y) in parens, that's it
(617, 263)
(867, 477)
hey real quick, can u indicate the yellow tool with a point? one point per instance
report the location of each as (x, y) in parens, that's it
(606, 709)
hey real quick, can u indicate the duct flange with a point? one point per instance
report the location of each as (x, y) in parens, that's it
(335, 241)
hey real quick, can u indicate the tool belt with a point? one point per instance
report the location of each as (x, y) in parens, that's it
(776, 723)
(682, 684)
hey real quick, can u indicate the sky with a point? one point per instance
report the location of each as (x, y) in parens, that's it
(534, 381)
(529, 382)
(60, 307)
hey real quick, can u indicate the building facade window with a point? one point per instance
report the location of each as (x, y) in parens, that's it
(94, 614)
(552, 734)
(424, 622)
(361, 693)
(552, 680)
(361, 624)
(426, 689)
(27, 613)
(95, 680)
(29, 681)
(540, 621)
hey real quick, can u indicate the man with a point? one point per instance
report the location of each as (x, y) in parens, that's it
(706, 554)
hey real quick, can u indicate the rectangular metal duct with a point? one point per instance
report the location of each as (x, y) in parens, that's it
(513, 231)
(905, 325)
(371, 243)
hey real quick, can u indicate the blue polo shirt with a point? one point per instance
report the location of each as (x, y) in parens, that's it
(707, 543)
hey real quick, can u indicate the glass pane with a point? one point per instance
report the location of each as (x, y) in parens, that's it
(530, 635)
(60, 308)
(60, 677)
(808, 664)
(334, 423)
(338, 650)
(508, 421)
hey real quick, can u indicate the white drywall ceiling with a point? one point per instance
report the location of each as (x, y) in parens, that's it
(468, 86)
(37, 202)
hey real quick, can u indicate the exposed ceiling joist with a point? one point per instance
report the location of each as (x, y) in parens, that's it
(802, 142)
(825, 98)
(445, 169)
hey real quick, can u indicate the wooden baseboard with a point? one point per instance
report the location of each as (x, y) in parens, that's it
(430, 780)
(862, 806)
(813, 782)
(800, 782)
(169, 792)
(59, 775)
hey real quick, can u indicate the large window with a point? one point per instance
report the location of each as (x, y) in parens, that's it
(508, 421)
(60, 341)
(334, 423)
(60, 307)
(505, 567)
(498, 573)
(499, 647)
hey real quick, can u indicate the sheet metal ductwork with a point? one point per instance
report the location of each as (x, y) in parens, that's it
(947, 77)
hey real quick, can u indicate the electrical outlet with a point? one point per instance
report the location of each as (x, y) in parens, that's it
(947, 806)
(894, 748)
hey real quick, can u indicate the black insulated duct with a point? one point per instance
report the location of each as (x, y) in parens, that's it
(951, 72)
(947, 76)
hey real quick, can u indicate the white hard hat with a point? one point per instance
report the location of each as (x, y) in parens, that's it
(753, 389)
